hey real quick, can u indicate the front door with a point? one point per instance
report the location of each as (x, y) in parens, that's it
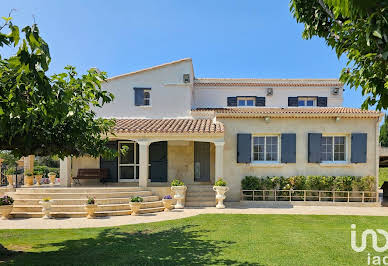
(158, 161)
(202, 161)
(128, 162)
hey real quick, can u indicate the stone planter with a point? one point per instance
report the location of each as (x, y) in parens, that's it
(91, 210)
(167, 203)
(135, 207)
(38, 179)
(28, 180)
(5, 211)
(179, 195)
(220, 196)
(46, 208)
(52, 179)
(10, 181)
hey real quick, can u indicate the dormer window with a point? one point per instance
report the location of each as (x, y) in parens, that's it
(246, 101)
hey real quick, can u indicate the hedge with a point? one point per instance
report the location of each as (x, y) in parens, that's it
(327, 183)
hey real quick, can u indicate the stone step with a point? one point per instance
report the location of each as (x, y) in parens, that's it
(77, 189)
(207, 203)
(83, 213)
(83, 201)
(70, 195)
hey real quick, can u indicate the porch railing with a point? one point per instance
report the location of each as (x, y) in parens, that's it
(309, 195)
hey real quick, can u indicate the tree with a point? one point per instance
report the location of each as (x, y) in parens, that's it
(48, 115)
(384, 133)
(357, 29)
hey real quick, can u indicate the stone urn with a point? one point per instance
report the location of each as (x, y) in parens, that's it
(220, 196)
(91, 210)
(5, 211)
(38, 179)
(179, 195)
(135, 207)
(28, 180)
(52, 177)
(10, 181)
(167, 204)
(46, 208)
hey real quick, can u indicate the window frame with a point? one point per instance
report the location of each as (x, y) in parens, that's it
(144, 98)
(265, 161)
(246, 99)
(308, 98)
(135, 164)
(346, 149)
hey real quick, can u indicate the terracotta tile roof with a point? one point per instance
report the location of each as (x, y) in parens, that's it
(291, 112)
(213, 82)
(168, 126)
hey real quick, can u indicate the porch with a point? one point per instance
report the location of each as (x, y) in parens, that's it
(156, 152)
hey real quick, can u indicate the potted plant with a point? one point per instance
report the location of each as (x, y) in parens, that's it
(46, 207)
(220, 188)
(38, 176)
(10, 173)
(90, 207)
(135, 204)
(179, 189)
(167, 203)
(28, 178)
(6, 205)
(52, 177)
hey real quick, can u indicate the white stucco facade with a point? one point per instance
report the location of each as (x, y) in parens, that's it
(172, 97)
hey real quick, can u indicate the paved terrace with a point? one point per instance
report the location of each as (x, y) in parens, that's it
(232, 208)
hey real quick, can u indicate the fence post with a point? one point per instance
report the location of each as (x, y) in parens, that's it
(263, 195)
(275, 194)
(333, 196)
(290, 195)
(348, 195)
(362, 197)
(319, 196)
(304, 195)
(253, 195)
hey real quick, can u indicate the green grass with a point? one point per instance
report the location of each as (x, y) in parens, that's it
(383, 175)
(205, 239)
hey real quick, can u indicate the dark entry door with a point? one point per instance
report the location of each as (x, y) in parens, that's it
(201, 161)
(110, 163)
(158, 161)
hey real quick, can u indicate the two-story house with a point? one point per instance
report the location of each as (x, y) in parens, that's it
(176, 125)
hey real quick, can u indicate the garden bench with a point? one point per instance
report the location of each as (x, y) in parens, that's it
(91, 173)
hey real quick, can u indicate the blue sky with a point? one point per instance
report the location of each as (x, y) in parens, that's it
(235, 39)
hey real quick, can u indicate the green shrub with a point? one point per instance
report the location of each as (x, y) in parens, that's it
(343, 183)
(10, 171)
(137, 199)
(177, 182)
(250, 183)
(221, 182)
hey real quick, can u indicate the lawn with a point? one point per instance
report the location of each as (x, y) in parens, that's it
(204, 239)
(383, 175)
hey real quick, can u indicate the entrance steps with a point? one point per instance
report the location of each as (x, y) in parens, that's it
(200, 196)
(69, 202)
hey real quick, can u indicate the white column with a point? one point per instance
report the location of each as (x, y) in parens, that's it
(65, 172)
(219, 164)
(29, 162)
(143, 162)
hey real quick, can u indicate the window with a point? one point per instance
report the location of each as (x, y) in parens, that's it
(307, 101)
(333, 149)
(128, 161)
(266, 148)
(147, 97)
(246, 101)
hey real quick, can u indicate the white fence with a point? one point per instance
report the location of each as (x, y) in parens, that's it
(309, 195)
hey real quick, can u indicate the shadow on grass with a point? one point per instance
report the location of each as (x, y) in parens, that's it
(177, 246)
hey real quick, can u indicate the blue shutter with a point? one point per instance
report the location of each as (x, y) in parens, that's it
(139, 96)
(358, 148)
(322, 101)
(288, 149)
(293, 101)
(232, 101)
(244, 146)
(314, 147)
(260, 101)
